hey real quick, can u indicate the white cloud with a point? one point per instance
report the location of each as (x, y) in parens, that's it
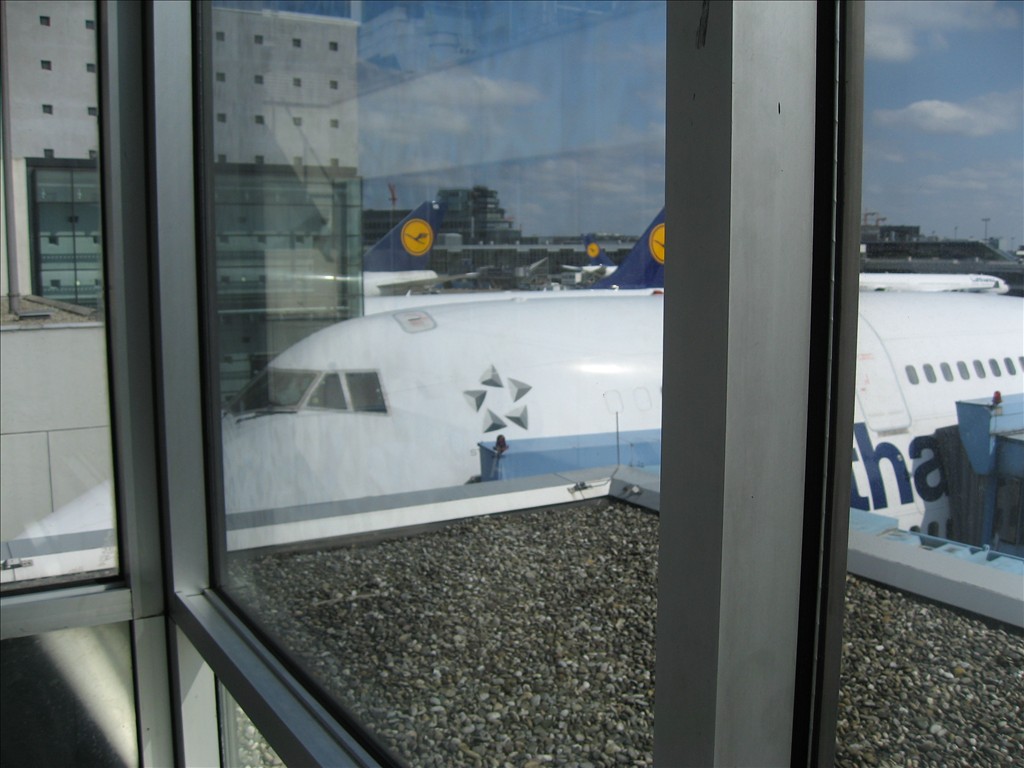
(899, 31)
(982, 116)
(1003, 181)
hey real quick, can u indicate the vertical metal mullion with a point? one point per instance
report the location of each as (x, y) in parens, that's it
(172, 246)
(128, 300)
(849, 162)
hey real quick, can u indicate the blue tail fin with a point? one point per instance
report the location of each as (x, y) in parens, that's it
(644, 267)
(596, 257)
(407, 246)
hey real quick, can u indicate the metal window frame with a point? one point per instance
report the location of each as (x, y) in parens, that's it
(136, 596)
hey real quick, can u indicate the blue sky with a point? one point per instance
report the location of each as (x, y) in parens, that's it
(943, 137)
(570, 128)
(567, 120)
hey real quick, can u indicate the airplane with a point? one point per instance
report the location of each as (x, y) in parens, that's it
(644, 267)
(889, 281)
(411, 399)
(416, 399)
(644, 279)
(399, 261)
(599, 264)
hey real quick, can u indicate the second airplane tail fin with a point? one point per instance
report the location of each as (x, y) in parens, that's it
(407, 246)
(644, 267)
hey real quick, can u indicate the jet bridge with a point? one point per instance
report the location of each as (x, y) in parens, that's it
(985, 491)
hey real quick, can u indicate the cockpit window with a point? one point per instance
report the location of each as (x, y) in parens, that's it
(328, 394)
(365, 392)
(274, 389)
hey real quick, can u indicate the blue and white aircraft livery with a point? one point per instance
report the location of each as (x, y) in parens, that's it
(400, 401)
(644, 267)
(599, 263)
(400, 261)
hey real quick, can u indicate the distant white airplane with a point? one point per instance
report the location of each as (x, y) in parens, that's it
(598, 264)
(887, 281)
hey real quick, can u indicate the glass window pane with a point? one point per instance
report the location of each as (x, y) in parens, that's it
(243, 743)
(436, 263)
(57, 515)
(942, 202)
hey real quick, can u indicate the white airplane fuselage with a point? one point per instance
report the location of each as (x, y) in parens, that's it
(455, 376)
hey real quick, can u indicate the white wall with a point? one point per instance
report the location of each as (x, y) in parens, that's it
(54, 419)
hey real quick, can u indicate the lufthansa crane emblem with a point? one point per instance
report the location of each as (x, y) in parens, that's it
(417, 237)
(593, 250)
(656, 242)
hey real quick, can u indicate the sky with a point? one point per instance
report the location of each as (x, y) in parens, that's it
(567, 125)
(565, 116)
(570, 128)
(943, 103)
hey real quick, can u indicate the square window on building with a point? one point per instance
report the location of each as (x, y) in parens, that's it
(90, 67)
(222, 117)
(334, 123)
(93, 111)
(93, 154)
(219, 36)
(258, 159)
(44, 21)
(261, 239)
(297, 82)
(296, 42)
(47, 153)
(332, 45)
(220, 77)
(46, 64)
(258, 79)
(297, 121)
(222, 158)
(258, 39)
(258, 119)
(334, 85)
(90, 24)
(334, 162)
(47, 109)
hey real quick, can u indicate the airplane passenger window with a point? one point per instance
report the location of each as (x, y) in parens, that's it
(979, 368)
(453, 231)
(1009, 366)
(947, 372)
(912, 375)
(994, 365)
(57, 493)
(929, 373)
(962, 367)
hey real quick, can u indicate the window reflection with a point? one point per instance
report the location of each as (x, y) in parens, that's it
(56, 479)
(438, 252)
